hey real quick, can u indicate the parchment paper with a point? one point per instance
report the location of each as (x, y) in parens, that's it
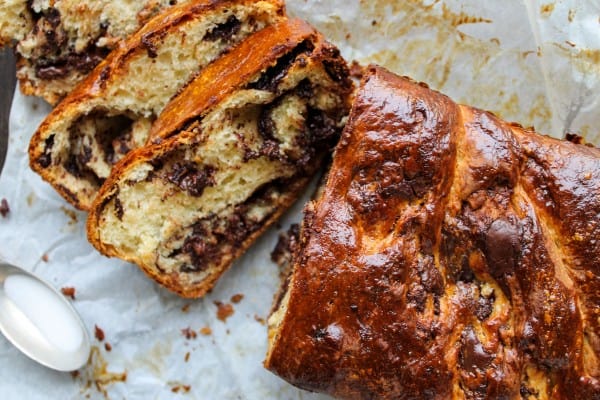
(537, 63)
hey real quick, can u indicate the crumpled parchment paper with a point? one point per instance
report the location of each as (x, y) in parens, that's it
(534, 62)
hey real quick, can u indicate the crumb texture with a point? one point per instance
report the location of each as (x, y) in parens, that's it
(112, 112)
(184, 208)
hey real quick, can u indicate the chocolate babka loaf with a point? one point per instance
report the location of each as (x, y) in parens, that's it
(59, 42)
(230, 153)
(111, 111)
(451, 255)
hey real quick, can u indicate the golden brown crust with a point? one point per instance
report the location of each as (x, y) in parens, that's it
(79, 102)
(452, 255)
(229, 72)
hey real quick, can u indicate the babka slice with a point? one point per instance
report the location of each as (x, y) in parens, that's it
(111, 111)
(451, 256)
(245, 138)
(59, 42)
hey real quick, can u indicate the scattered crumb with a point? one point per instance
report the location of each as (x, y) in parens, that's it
(189, 333)
(185, 308)
(236, 298)
(260, 320)
(181, 388)
(107, 346)
(68, 291)
(45, 257)
(74, 374)
(348, 36)
(206, 331)
(4, 208)
(373, 23)
(224, 310)
(187, 357)
(99, 333)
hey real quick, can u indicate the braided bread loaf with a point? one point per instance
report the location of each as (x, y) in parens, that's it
(451, 255)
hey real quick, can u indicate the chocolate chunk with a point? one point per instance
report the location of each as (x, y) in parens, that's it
(51, 72)
(53, 17)
(473, 358)
(270, 79)
(46, 159)
(321, 127)
(150, 46)
(119, 209)
(4, 208)
(502, 247)
(224, 31)
(336, 69)
(188, 177)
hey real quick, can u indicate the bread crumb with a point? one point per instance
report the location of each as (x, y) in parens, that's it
(45, 257)
(224, 310)
(68, 291)
(260, 320)
(99, 333)
(4, 208)
(107, 346)
(206, 331)
(185, 308)
(189, 333)
(181, 388)
(187, 357)
(235, 299)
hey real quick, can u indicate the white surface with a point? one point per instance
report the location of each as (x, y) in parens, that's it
(514, 61)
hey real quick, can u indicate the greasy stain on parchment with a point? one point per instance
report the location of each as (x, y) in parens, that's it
(95, 375)
(423, 39)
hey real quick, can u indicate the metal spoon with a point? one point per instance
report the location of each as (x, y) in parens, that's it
(40, 322)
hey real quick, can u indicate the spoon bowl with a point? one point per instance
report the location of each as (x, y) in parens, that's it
(40, 321)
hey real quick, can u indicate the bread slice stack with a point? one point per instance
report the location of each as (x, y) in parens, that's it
(230, 153)
(112, 110)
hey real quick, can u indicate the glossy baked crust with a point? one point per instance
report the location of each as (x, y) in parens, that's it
(451, 255)
(112, 110)
(241, 151)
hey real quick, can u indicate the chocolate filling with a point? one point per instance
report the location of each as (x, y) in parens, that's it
(216, 235)
(189, 178)
(225, 31)
(270, 79)
(60, 67)
(46, 158)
